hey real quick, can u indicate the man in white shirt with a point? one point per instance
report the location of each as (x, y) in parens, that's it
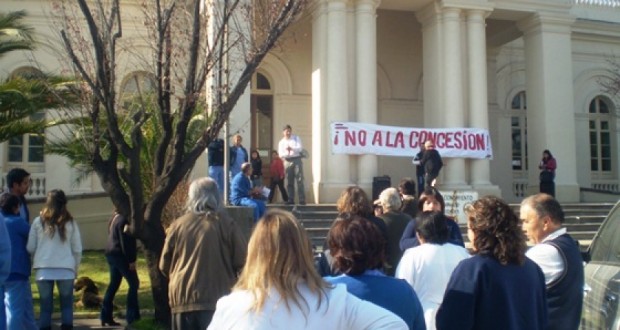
(559, 257)
(290, 149)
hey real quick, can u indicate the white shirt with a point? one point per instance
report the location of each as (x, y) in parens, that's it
(339, 310)
(548, 257)
(427, 268)
(294, 143)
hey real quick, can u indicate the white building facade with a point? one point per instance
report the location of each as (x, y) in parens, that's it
(528, 71)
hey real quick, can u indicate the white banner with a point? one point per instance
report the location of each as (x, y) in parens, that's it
(364, 139)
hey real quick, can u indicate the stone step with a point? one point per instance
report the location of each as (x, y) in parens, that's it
(581, 219)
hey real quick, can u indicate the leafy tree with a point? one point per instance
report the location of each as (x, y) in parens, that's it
(201, 54)
(24, 95)
(14, 35)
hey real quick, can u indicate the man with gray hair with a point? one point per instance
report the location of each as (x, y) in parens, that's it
(559, 257)
(396, 221)
(203, 253)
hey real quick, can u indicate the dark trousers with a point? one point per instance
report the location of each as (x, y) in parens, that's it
(428, 179)
(195, 320)
(119, 268)
(280, 183)
(420, 179)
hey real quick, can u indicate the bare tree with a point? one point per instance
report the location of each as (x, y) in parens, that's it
(610, 83)
(195, 51)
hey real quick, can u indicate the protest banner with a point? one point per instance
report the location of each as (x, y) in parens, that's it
(363, 139)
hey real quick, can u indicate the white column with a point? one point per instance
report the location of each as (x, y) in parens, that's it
(477, 83)
(366, 82)
(431, 22)
(320, 131)
(337, 97)
(550, 109)
(454, 173)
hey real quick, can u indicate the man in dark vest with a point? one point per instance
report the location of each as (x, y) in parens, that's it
(559, 257)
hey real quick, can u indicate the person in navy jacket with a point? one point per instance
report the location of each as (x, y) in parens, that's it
(499, 287)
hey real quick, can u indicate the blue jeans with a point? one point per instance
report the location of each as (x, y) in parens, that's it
(119, 268)
(217, 173)
(18, 302)
(2, 311)
(46, 294)
(258, 205)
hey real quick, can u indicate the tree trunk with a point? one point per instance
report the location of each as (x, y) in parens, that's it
(153, 243)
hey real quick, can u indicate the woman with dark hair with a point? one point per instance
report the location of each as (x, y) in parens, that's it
(55, 242)
(280, 289)
(406, 188)
(547, 166)
(497, 288)
(120, 253)
(257, 169)
(428, 266)
(430, 200)
(355, 201)
(358, 249)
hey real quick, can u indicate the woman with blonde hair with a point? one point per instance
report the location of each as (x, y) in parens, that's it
(55, 242)
(279, 287)
(499, 287)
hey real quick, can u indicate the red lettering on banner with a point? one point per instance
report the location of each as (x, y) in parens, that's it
(457, 140)
(349, 138)
(362, 137)
(440, 141)
(377, 140)
(400, 140)
(480, 142)
(387, 140)
(449, 140)
(413, 139)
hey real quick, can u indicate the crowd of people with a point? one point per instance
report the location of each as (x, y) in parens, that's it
(394, 263)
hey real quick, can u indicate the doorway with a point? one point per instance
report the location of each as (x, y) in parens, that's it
(262, 138)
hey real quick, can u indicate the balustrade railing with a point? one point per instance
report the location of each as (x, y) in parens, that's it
(37, 188)
(601, 3)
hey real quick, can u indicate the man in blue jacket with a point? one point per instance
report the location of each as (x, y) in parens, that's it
(16, 290)
(242, 193)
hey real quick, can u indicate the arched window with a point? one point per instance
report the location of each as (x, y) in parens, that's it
(136, 88)
(518, 130)
(601, 127)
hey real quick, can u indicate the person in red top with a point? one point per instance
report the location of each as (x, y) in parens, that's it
(547, 166)
(277, 176)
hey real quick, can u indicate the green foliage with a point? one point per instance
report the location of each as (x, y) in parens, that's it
(79, 146)
(24, 96)
(14, 35)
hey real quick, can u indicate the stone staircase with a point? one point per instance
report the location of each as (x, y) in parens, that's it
(581, 219)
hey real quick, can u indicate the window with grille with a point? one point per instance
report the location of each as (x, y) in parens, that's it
(518, 130)
(600, 129)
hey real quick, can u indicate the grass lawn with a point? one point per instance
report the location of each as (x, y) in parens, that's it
(95, 266)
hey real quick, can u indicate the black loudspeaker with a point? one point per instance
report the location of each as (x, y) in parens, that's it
(380, 183)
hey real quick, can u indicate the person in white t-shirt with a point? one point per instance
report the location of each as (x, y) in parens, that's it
(279, 288)
(428, 267)
(290, 150)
